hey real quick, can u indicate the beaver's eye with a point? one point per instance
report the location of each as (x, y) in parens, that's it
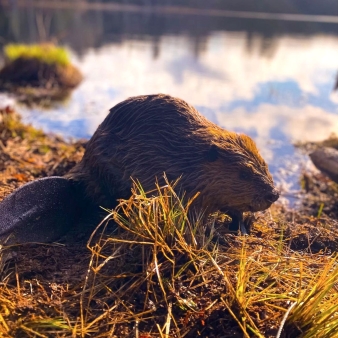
(245, 175)
(212, 154)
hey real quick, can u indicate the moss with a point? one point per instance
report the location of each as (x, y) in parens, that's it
(47, 53)
(331, 141)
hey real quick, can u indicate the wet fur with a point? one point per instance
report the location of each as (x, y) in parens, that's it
(145, 136)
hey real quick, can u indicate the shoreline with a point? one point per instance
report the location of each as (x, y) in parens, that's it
(172, 10)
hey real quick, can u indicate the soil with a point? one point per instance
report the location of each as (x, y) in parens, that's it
(64, 290)
(33, 81)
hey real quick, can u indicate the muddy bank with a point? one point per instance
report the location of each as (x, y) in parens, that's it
(320, 190)
(148, 283)
(27, 153)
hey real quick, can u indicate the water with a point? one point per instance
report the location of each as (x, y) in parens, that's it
(270, 79)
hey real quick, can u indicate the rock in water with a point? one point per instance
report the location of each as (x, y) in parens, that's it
(326, 160)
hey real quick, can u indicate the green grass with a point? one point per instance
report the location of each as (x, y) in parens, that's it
(44, 52)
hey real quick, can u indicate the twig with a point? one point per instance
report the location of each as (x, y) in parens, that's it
(284, 319)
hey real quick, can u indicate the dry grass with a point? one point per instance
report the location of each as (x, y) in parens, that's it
(27, 153)
(331, 141)
(156, 274)
(149, 271)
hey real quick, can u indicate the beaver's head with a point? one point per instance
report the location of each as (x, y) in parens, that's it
(238, 179)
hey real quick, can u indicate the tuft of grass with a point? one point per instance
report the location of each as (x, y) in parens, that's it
(315, 313)
(157, 248)
(47, 53)
(159, 273)
(179, 268)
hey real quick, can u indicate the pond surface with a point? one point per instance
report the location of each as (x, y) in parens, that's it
(271, 79)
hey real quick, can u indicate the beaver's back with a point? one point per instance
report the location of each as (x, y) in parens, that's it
(145, 136)
(142, 137)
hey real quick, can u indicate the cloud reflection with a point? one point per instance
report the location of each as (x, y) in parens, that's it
(276, 97)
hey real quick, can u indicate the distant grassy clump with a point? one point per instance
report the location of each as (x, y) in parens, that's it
(39, 73)
(47, 53)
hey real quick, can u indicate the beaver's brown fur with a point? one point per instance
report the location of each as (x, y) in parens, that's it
(145, 136)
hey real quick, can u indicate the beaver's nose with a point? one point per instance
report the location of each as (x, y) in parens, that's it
(272, 196)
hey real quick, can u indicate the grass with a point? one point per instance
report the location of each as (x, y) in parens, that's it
(331, 141)
(27, 153)
(47, 53)
(149, 271)
(158, 275)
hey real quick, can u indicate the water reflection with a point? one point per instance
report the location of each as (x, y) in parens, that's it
(274, 84)
(237, 87)
(83, 29)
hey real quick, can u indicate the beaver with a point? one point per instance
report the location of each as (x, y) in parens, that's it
(146, 136)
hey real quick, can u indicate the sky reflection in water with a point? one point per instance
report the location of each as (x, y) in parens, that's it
(277, 93)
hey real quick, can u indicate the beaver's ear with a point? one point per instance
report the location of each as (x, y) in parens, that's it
(40, 211)
(212, 154)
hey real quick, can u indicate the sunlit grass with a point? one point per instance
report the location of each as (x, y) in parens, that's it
(11, 126)
(47, 53)
(260, 279)
(316, 309)
(158, 273)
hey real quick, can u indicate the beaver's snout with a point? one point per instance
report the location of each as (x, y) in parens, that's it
(272, 196)
(264, 200)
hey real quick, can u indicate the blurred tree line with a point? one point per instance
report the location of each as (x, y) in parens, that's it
(83, 29)
(319, 7)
